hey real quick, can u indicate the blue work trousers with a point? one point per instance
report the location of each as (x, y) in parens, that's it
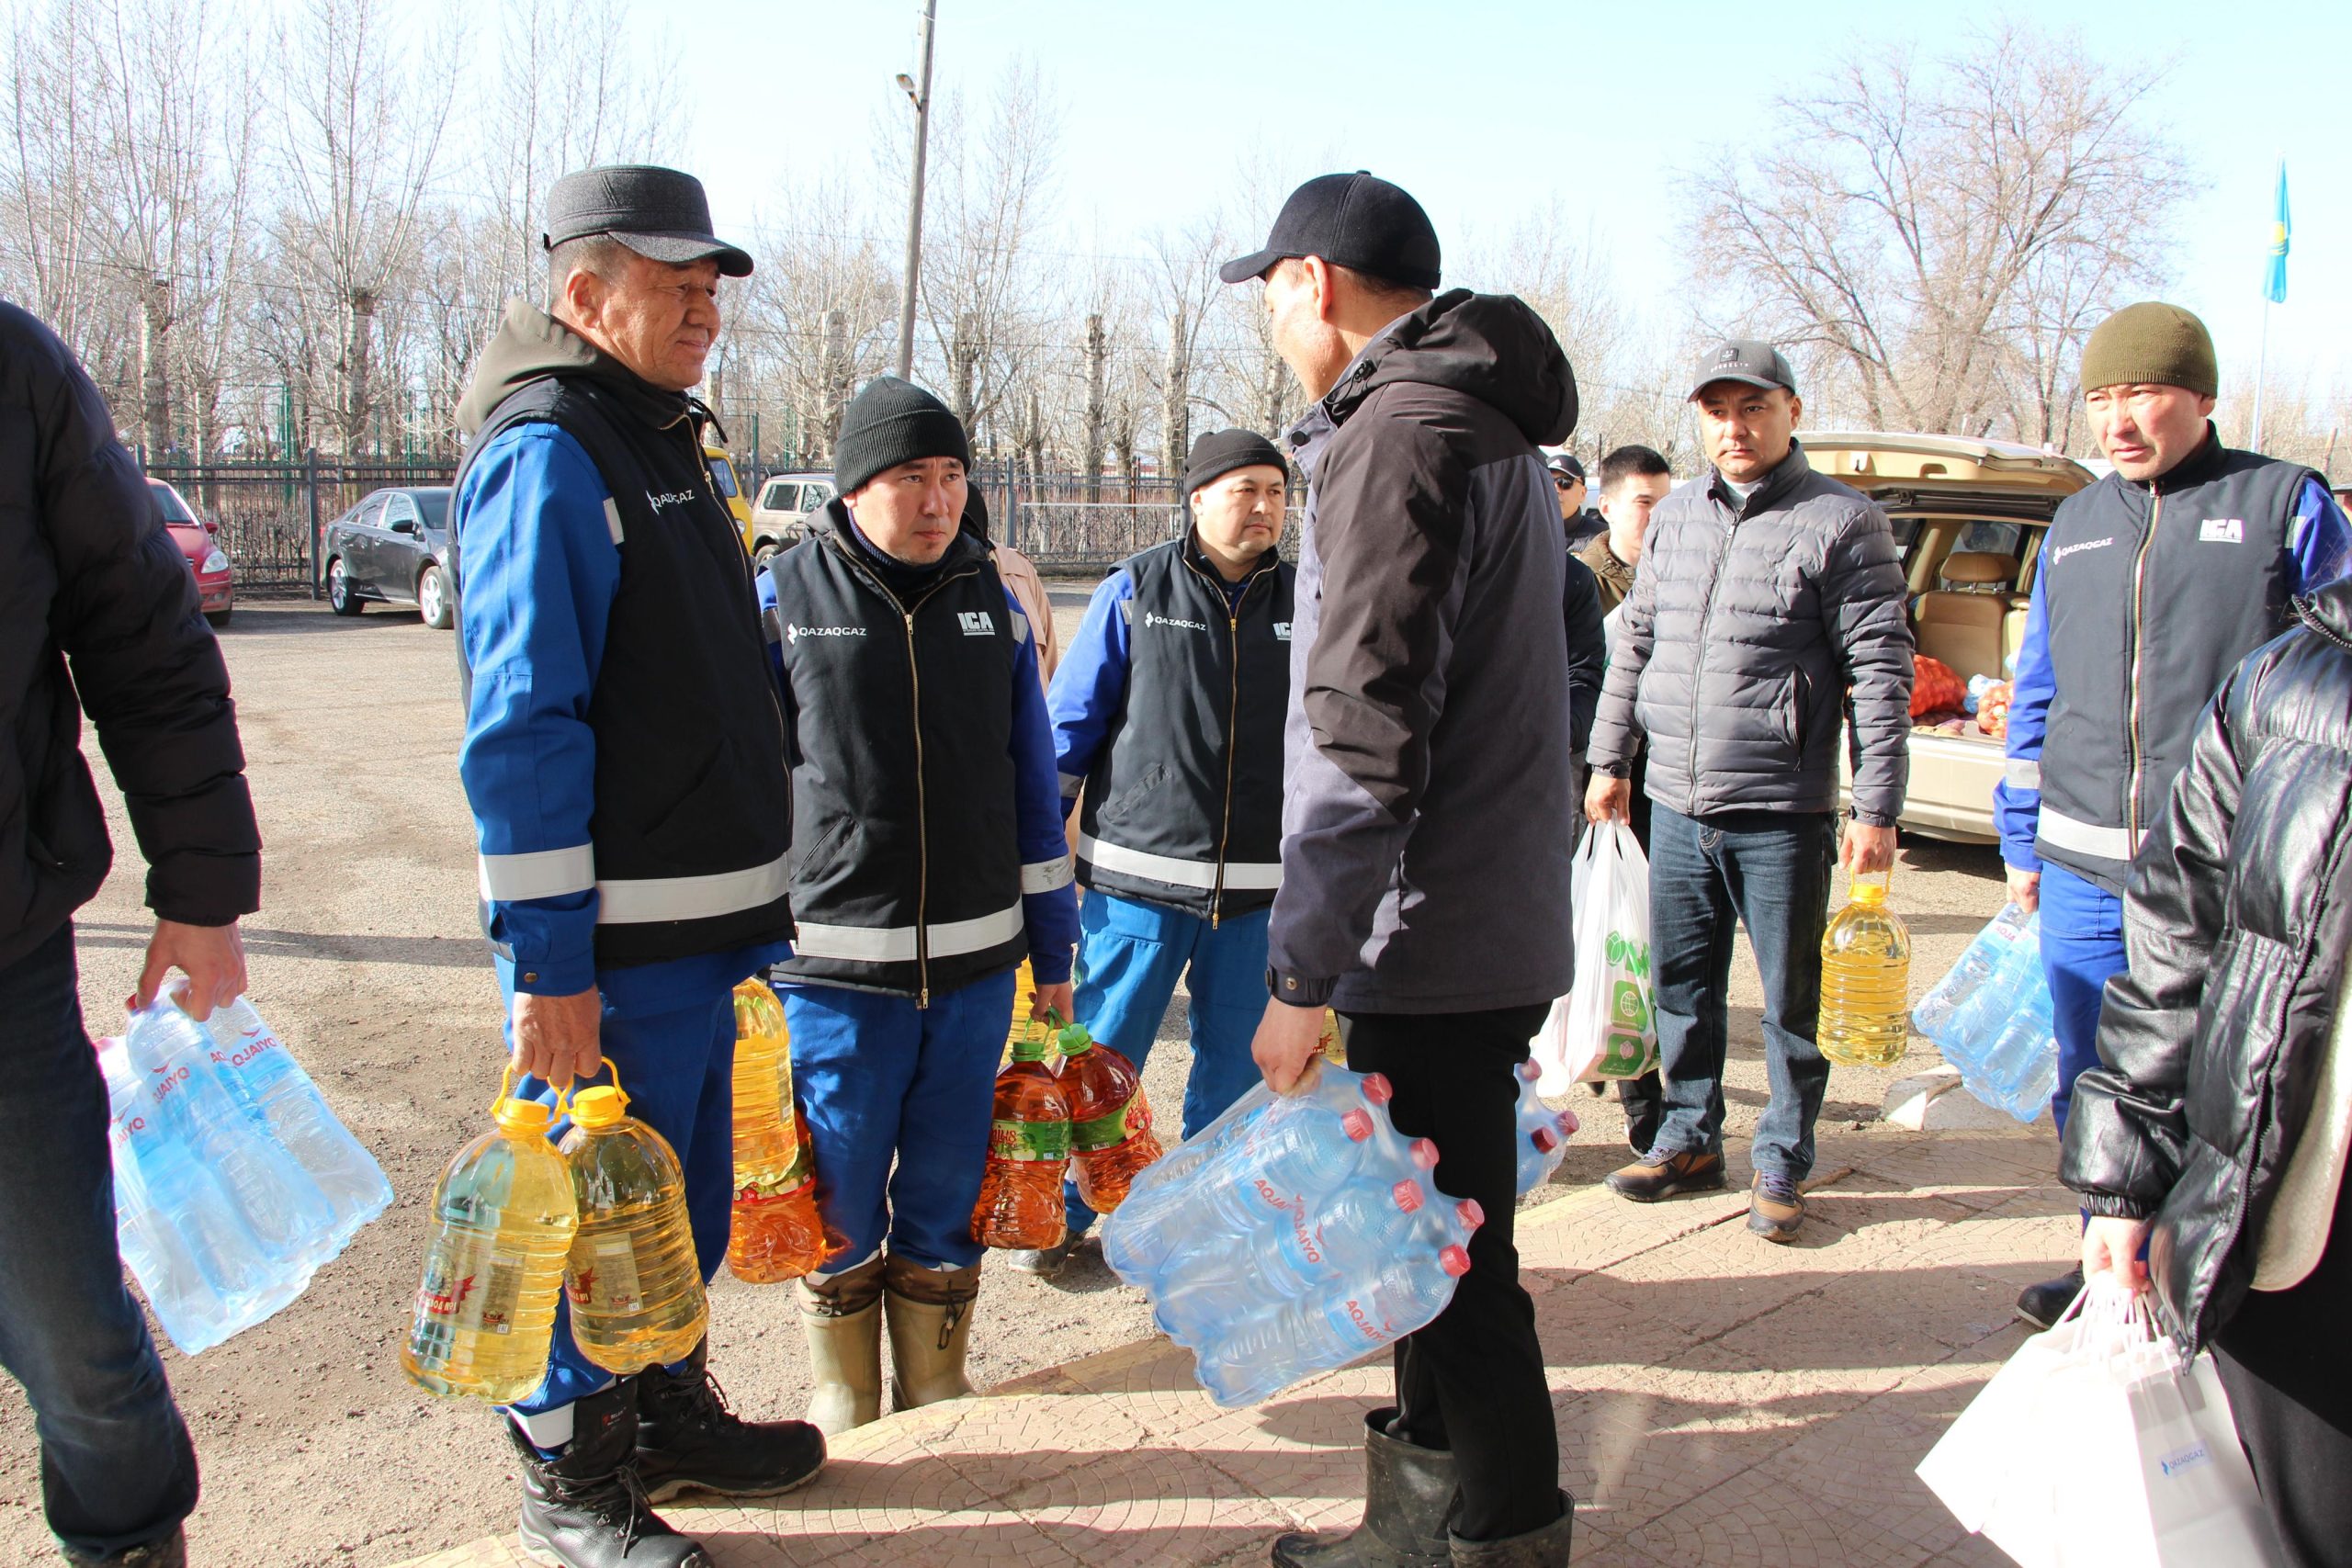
(1768, 871)
(117, 1470)
(2082, 950)
(1130, 956)
(886, 1084)
(676, 1062)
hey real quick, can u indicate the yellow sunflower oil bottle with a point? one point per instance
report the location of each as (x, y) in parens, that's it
(1865, 981)
(634, 1285)
(773, 1230)
(504, 1217)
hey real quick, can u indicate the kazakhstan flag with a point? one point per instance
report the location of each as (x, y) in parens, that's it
(2274, 288)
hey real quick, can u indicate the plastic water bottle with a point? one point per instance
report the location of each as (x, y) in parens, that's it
(207, 1113)
(1280, 1343)
(504, 1217)
(1110, 1133)
(1986, 1012)
(2019, 1069)
(633, 1281)
(1865, 981)
(1977, 963)
(289, 1104)
(773, 1230)
(1544, 1132)
(202, 1269)
(1021, 1188)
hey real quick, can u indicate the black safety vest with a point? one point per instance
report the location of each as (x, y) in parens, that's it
(905, 857)
(1185, 805)
(2155, 592)
(689, 833)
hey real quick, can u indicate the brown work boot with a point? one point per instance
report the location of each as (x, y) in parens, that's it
(1775, 1207)
(1663, 1174)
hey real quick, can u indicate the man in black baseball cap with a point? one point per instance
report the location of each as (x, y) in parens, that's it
(1582, 524)
(1427, 809)
(1768, 619)
(630, 874)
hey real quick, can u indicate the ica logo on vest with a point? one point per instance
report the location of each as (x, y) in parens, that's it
(2222, 531)
(976, 622)
(1281, 630)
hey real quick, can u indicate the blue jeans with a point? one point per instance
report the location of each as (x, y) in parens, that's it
(676, 1061)
(117, 1469)
(899, 1100)
(1130, 956)
(2082, 950)
(1768, 871)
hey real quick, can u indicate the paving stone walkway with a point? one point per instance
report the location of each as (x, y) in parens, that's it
(1721, 1400)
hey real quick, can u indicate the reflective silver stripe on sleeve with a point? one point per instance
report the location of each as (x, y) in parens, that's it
(612, 519)
(1071, 785)
(2086, 838)
(627, 901)
(1044, 876)
(546, 874)
(896, 944)
(1240, 875)
(1020, 629)
(2023, 772)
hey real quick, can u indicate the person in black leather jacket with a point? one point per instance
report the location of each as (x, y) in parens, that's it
(2215, 1130)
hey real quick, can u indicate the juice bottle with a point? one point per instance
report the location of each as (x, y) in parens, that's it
(1021, 1191)
(504, 1217)
(1110, 1130)
(634, 1285)
(1865, 981)
(774, 1232)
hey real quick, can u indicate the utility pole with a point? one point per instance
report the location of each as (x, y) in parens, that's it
(921, 97)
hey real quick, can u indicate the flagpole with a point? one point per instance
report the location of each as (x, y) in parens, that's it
(2261, 373)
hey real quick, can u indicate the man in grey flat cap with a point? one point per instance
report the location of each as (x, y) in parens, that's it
(624, 758)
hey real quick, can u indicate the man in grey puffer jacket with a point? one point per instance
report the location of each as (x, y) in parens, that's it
(1769, 605)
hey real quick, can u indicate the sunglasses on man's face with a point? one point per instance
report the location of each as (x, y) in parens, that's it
(1562, 481)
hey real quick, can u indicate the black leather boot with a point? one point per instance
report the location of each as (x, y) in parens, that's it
(687, 1441)
(585, 1507)
(1546, 1548)
(1408, 1493)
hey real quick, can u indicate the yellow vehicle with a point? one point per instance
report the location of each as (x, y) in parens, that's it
(722, 474)
(1969, 516)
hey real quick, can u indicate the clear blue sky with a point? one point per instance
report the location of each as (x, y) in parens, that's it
(1477, 107)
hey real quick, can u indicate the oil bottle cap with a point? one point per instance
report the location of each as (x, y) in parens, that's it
(599, 1107)
(1424, 1154)
(1870, 894)
(1454, 1261)
(1376, 1088)
(1407, 1195)
(1030, 1047)
(1073, 1041)
(1358, 1124)
(1469, 1212)
(521, 1117)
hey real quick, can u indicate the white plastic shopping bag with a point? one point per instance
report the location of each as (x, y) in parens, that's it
(1605, 1026)
(2098, 1447)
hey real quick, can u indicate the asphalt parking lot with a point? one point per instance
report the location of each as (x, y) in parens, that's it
(368, 958)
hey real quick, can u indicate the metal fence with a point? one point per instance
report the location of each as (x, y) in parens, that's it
(272, 515)
(1050, 518)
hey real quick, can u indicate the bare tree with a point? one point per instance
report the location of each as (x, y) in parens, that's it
(1908, 222)
(363, 116)
(55, 141)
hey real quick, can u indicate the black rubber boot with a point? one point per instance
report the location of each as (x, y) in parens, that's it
(585, 1507)
(1408, 1493)
(688, 1440)
(1546, 1548)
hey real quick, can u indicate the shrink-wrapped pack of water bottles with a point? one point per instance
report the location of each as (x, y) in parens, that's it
(234, 1180)
(1300, 1232)
(1991, 1017)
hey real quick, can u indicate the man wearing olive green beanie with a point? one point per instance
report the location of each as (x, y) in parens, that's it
(2151, 586)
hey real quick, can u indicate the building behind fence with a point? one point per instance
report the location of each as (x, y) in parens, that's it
(273, 515)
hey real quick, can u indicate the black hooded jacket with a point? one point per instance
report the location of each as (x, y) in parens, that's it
(1429, 806)
(2237, 919)
(87, 574)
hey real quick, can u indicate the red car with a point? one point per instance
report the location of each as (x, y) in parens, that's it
(216, 582)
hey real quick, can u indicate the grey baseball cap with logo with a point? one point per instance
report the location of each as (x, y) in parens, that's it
(1743, 359)
(661, 214)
